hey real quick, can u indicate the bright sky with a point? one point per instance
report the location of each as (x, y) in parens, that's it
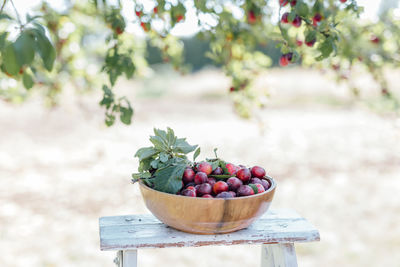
(189, 27)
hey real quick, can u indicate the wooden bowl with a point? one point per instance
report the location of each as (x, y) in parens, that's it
(207, 215)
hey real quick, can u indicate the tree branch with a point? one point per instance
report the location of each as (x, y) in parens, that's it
(2, 6)
(16, 13)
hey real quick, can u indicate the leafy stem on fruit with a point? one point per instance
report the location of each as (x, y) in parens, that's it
(162, 165)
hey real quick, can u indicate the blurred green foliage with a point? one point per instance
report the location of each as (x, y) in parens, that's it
(87, 45)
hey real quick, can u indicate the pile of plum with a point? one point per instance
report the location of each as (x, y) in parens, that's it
(202, 181)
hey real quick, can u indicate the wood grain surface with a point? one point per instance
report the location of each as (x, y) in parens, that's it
(145, 231)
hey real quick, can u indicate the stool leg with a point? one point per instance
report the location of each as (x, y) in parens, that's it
(127, 258)
(282, 255)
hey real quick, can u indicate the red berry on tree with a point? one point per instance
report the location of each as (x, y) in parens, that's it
(283, 2)
(155, 10)
(299, 43)
(283, 61)
(311, 42)
(138, 13)
(297, 21)
(251, 17)
(118, 30)
(343, 1)
(317, 18)
(179, 18)
(293, 2)
(144, 26)
(374, 39)
(284, 18)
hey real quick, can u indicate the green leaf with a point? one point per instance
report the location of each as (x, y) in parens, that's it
(169, 178)
(311, 35)
(144, 165)
(10, 60)
(45, 49)
(171, 137)
(110, 119)
(196, 154)
(145, 152)
(255, 189)
(39, 27)
(27, 80)
(24, 48)
(3, 39)
(162, 134)
(221, 176)
(182, 146)
(302, 9)
(292, 15)
(222, 164)
(214, 164)
(158, 143)
(5, 16)
(163, 157)
(108, 97)
(154, 163)
(126, 114)
(326, 47)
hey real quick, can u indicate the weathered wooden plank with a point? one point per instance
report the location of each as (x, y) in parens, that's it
(129, 258)
(145, 231)
(278, 255)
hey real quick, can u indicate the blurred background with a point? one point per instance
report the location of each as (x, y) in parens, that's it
(335, 156)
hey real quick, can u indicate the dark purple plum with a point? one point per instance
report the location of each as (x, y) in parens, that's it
(266, 184)
(200, 178)
(188, 175)
(258, 172)
(234, 183)
(245, 190)
(255, 181)
(232, 193)
(188, 193)
(218, 171)
(211, 181)
(204, 189)
(244, 175)
(224, 195)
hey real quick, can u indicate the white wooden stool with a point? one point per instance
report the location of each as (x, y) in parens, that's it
(277, 231)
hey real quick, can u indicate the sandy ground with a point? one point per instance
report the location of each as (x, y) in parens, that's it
(337, 165)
